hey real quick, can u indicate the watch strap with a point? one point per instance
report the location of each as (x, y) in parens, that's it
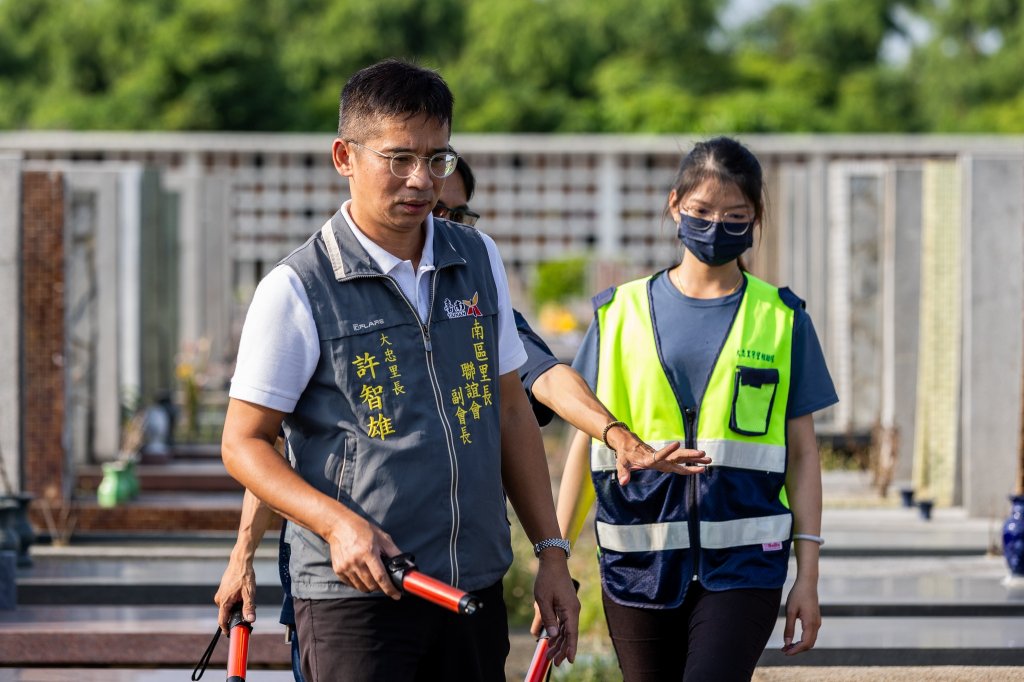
(560, 543)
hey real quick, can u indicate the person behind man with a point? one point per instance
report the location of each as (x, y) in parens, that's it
(552, 387)
(385, 347)
(555, 387)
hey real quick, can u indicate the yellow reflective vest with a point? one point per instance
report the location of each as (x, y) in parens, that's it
(729, 527)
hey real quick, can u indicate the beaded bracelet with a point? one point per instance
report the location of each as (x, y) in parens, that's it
(609, 427)
(807, 536)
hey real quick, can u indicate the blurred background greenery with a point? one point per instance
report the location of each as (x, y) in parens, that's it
(523, 66)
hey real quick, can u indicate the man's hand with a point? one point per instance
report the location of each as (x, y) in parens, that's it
(559, 607)
(238, 584)
(356, 549)
(631, 453)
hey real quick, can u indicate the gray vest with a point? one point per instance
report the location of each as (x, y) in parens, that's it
(400, 420)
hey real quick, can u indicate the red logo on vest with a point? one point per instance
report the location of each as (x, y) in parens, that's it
(472, 309)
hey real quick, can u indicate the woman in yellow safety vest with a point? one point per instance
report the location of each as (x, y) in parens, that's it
(705, 354)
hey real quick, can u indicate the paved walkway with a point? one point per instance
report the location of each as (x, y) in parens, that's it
(792, 674)
(896, 591)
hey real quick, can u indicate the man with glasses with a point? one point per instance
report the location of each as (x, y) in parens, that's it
(385, 348)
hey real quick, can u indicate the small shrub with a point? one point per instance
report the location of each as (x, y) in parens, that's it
(560, 280)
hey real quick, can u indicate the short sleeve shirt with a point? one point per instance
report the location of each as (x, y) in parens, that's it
(539, 359)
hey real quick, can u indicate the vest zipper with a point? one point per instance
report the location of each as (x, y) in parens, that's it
(449, 435)
(438, 402)
(690, 433)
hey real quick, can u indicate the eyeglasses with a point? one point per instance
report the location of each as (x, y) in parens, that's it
(457, 215)
(735, 221)
(405, 164)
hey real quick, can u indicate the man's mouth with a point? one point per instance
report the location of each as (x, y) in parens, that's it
(414, 205)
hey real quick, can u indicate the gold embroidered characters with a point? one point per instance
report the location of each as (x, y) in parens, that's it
(473, 396)
(380, 427)
(366, 363)
(372, 394)
(391, 358)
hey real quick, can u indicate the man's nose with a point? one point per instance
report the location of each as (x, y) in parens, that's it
(421, 177)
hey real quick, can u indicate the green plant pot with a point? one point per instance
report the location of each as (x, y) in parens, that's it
(116, 486)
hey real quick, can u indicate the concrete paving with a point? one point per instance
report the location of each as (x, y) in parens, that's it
(793, 674)
(896, 590)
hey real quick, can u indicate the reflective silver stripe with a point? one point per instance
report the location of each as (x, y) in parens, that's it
(741, 455)
(730, 453)
(754, 531)
(602, 457)
(645, 537)
(333, 252)
(654, 537)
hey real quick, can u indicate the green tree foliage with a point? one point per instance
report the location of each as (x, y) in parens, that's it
(971, 71)
(816, 67)
(559, 281)
(519, 66)
(185, 64)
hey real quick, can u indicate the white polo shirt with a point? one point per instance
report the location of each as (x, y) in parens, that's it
(280, 348)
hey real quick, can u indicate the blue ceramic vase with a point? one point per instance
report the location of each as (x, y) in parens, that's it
(1013, 536)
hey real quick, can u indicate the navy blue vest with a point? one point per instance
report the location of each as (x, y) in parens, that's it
(400, 420)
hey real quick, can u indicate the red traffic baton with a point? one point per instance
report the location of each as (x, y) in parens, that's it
(408, 578)
(238, 653)
(540, 665)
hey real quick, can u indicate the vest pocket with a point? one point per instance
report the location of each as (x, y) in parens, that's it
(340, 469)
(752, 400)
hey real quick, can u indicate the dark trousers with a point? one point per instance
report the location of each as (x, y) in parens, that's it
(713, 636)
(409, 639)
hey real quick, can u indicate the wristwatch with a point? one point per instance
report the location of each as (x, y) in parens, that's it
(560, 543)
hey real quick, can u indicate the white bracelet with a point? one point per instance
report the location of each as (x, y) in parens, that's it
(807, 536)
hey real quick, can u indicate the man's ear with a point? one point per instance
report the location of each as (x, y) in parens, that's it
(341, 154)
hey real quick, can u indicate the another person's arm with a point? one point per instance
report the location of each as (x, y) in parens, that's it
(803, 488)
(566, 392)
(552, 385)
(575, 491)
(527, 483)
(238, 584)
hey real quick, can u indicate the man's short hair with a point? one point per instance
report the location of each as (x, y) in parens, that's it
(391, 89)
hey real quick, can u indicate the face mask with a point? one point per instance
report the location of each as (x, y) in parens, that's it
(711, 242)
